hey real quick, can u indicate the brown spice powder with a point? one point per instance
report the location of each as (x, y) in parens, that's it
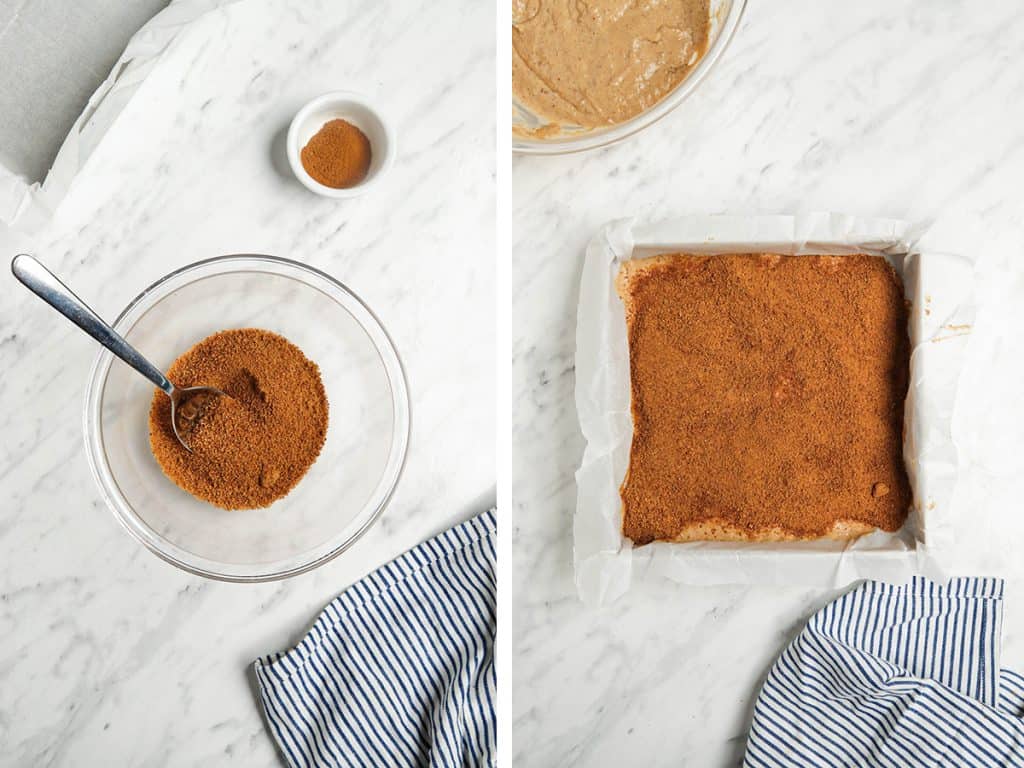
(767, 396)
(338, 155)
(251, 448)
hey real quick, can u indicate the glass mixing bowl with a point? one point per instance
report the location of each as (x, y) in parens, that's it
(725, 18)
(367, 436)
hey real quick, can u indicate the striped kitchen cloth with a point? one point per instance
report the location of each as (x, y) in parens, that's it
(399, 669)
(895, 676)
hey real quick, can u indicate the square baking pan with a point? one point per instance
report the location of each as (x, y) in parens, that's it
(937, 285)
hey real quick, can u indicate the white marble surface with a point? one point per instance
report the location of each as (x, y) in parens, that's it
(905, 109)
(108, 655)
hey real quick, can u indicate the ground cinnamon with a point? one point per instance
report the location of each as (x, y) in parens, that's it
(338, 155)
(767, 396)
(251, 448)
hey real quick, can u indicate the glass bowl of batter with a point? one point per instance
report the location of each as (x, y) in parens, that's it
(348, 485)
(570, 95)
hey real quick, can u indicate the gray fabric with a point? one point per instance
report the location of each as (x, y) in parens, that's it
(53, 55)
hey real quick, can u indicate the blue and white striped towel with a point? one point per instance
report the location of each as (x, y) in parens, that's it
(399, 669)
(895, 676)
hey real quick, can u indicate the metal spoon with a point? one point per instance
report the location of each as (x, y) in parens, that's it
(186, 403)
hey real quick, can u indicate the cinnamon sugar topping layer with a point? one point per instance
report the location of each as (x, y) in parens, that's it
(767, 397)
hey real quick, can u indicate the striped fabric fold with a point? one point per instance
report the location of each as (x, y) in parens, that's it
(895, 676)
(398, 670)
(1011, 693)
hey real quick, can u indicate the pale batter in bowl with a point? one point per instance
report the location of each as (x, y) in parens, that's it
(595, 63)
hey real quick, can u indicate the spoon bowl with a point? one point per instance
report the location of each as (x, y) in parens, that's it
(187, 406)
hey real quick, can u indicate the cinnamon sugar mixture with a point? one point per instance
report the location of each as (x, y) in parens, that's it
(253, 447)
(767, 395)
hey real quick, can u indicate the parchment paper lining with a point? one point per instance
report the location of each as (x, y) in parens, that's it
(939, 285)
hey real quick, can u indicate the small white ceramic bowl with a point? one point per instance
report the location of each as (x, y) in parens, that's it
(357, 110)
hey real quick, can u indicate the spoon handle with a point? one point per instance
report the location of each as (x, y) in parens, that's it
(47, 286)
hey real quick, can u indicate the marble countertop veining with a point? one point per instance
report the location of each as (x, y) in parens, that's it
(107, 654)
(904, 109)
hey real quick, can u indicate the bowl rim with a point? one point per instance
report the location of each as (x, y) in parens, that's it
(340, 97)
(125, 514)
(596, 139)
